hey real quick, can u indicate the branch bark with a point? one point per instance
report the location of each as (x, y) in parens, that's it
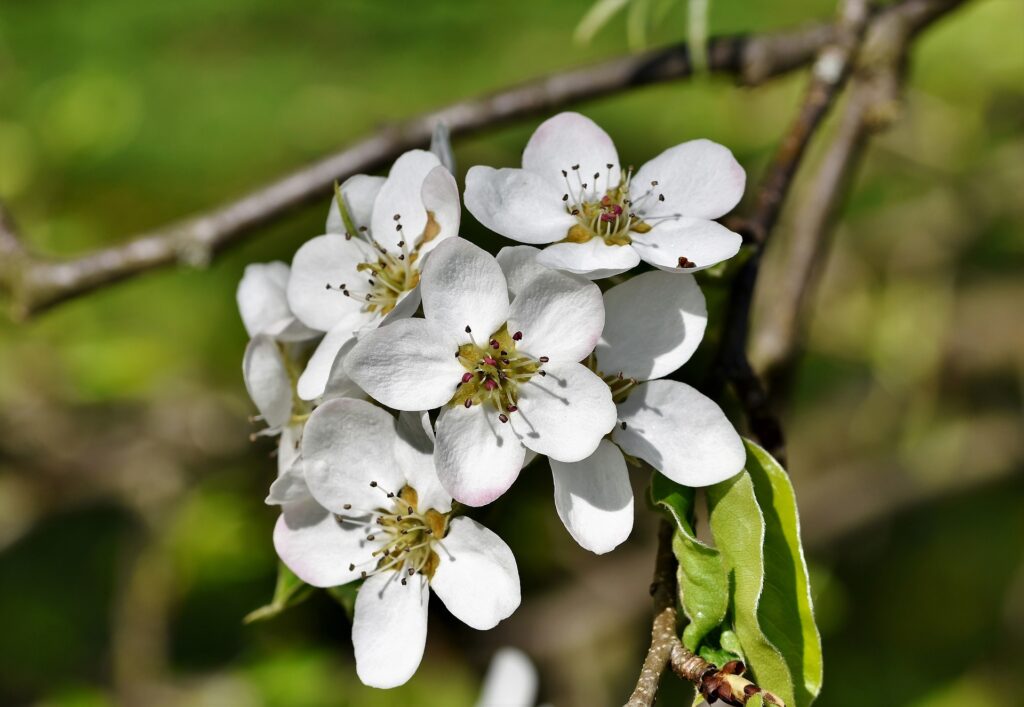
(36, 283)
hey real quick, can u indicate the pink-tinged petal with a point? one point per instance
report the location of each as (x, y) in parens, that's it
(476, 455)
(570, 140)
(653, 324)
(389, 629)
(348, 455)
(477, 578)
(402, 195)
(263, 303)
(559, 315)
(594, 499)
(440, 196)
(519, 263)
(414, 452)
(316, 547)
(266, 379)
(463, 286)
(407, 365)
(680, 432)
(702, 244)
(565, 413)
(593, 260)
(698, 178)
(518, 204)
(319, 269)
(359, 191)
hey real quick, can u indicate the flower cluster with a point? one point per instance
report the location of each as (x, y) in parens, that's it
(411, 376)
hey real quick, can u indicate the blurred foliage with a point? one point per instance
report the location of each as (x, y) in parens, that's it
(133, 535)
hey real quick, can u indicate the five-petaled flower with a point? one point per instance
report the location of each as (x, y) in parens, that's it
(372, 509)
(365, 269)
(602, 220)
(506, 377)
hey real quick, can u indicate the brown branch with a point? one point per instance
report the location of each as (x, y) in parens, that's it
(888, 37)
(39, 282)
(873, 104)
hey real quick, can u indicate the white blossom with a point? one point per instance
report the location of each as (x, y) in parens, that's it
(511, 680)
(600, 219)
(263, 303)
(376, 511)
(365, 269)
(506, 377)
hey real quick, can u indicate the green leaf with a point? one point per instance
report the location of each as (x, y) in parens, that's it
(755, 525)
(703, 587)
(289, 591)
(785, 611)
(600, 13)
(739, 530)
(346, 596)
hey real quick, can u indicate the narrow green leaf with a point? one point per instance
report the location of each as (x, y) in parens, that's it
(346, 596)
(703, 587)
(785, 611)
(638, 22)
(288, 591)
(739, 530)
(599, 14)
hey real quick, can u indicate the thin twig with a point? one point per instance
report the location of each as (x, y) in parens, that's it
(43, 282)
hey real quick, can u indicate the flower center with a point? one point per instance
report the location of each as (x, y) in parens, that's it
(610, 215)
(410, 537)
(620, 386)
(392, 274)
(494, 372)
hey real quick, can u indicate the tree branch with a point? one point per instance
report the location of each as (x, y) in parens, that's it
(38, 283)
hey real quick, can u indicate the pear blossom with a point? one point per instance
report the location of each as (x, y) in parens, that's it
(365, 269)
(506, 378)
(373, 509)
(654, 323)
(601, 219)
(265, 370)
(263, 303)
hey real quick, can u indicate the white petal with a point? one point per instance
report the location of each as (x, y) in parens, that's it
(313, 380)
(699, 178)
(359, 192)
(347, 445)
(322, 261)
(518, 204)
(402, 194)
(680, 432)
(463, 286)
(477, 578)
(594, 499)
(288, 447)
(266, 379)
(289, 487)
(594, 259)
(703, 243)
(560, 315)
(440, 195)
(511, 681)
(567, 140)
(519, 263)
(389, 629)
(339, 385)
(408, 365)
(565, 413)
(313, 545)
(414, 451)
(477, 456)
(652, 325)
(263, 303)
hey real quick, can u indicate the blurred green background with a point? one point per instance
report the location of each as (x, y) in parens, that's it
(133, 535)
